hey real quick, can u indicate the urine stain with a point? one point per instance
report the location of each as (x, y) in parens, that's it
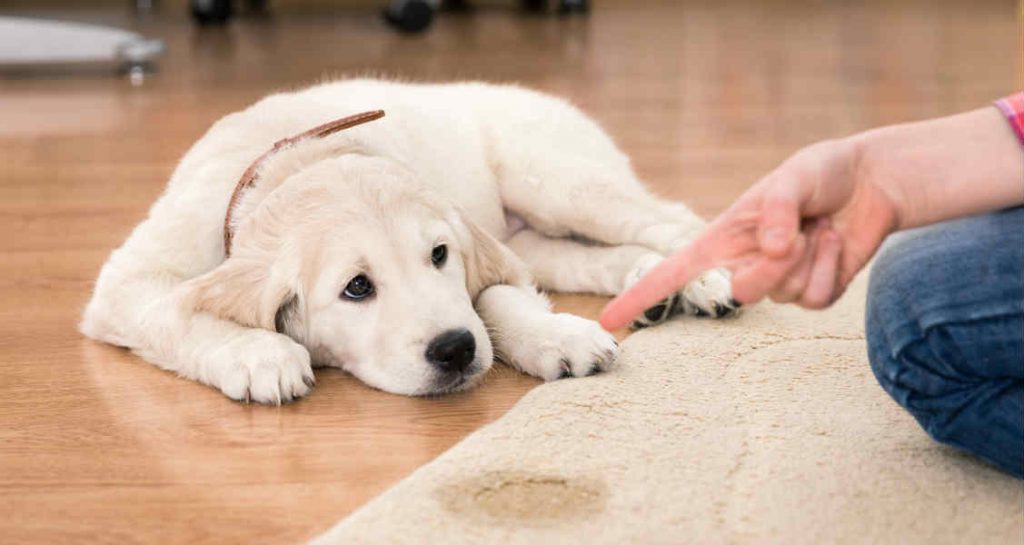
(523, 497)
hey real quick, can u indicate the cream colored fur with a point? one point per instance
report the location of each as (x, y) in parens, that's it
(515, 184)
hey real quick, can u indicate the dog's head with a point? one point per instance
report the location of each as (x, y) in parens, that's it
(373, 273)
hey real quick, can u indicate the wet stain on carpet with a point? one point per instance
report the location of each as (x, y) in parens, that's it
(524, 497)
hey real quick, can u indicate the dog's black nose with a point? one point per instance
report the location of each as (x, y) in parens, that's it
(452, 351)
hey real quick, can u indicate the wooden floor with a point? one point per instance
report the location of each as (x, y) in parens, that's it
(98, 446)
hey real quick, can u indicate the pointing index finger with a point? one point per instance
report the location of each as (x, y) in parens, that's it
(674, 271)
(721, 241)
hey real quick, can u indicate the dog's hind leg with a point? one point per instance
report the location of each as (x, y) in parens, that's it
(600, 202)
(605, 203)
(573, 266)
(561, 173)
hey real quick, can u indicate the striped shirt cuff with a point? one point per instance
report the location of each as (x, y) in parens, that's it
(1013, 108)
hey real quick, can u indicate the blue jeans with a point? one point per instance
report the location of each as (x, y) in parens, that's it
(945, 331)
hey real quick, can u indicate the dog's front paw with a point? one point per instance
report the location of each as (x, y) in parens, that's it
(562, 346)
(710, 294)
(263, 367)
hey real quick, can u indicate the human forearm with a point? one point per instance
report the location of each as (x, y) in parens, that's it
(804, 231)
(944, 168)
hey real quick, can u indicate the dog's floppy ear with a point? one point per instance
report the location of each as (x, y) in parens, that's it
(488, 262)
(247, 290)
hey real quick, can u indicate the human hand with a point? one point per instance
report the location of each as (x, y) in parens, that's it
(799, 235)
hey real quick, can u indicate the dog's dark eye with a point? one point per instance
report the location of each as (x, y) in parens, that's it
(439, 255)
(358, 288)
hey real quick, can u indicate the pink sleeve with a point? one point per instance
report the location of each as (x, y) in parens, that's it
(1013, 108)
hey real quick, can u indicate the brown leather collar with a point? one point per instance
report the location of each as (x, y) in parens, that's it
(249, 176)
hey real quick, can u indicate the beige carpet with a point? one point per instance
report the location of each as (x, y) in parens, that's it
(765, 429)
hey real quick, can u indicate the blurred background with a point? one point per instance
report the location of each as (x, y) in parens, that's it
(705, 96)
(700, 93)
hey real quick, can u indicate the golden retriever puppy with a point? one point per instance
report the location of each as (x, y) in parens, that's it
(404, 250)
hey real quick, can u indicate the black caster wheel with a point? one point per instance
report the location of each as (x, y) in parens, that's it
(566, 7)
(258, 7)
(455, 6)
(536, 6)
(409, 15)
(211, 12)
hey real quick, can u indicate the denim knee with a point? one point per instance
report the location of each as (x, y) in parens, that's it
(891, 328)
(944, 337)
(947, 302)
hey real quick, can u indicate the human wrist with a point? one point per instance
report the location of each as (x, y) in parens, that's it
(939, 169)
(876, 163)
